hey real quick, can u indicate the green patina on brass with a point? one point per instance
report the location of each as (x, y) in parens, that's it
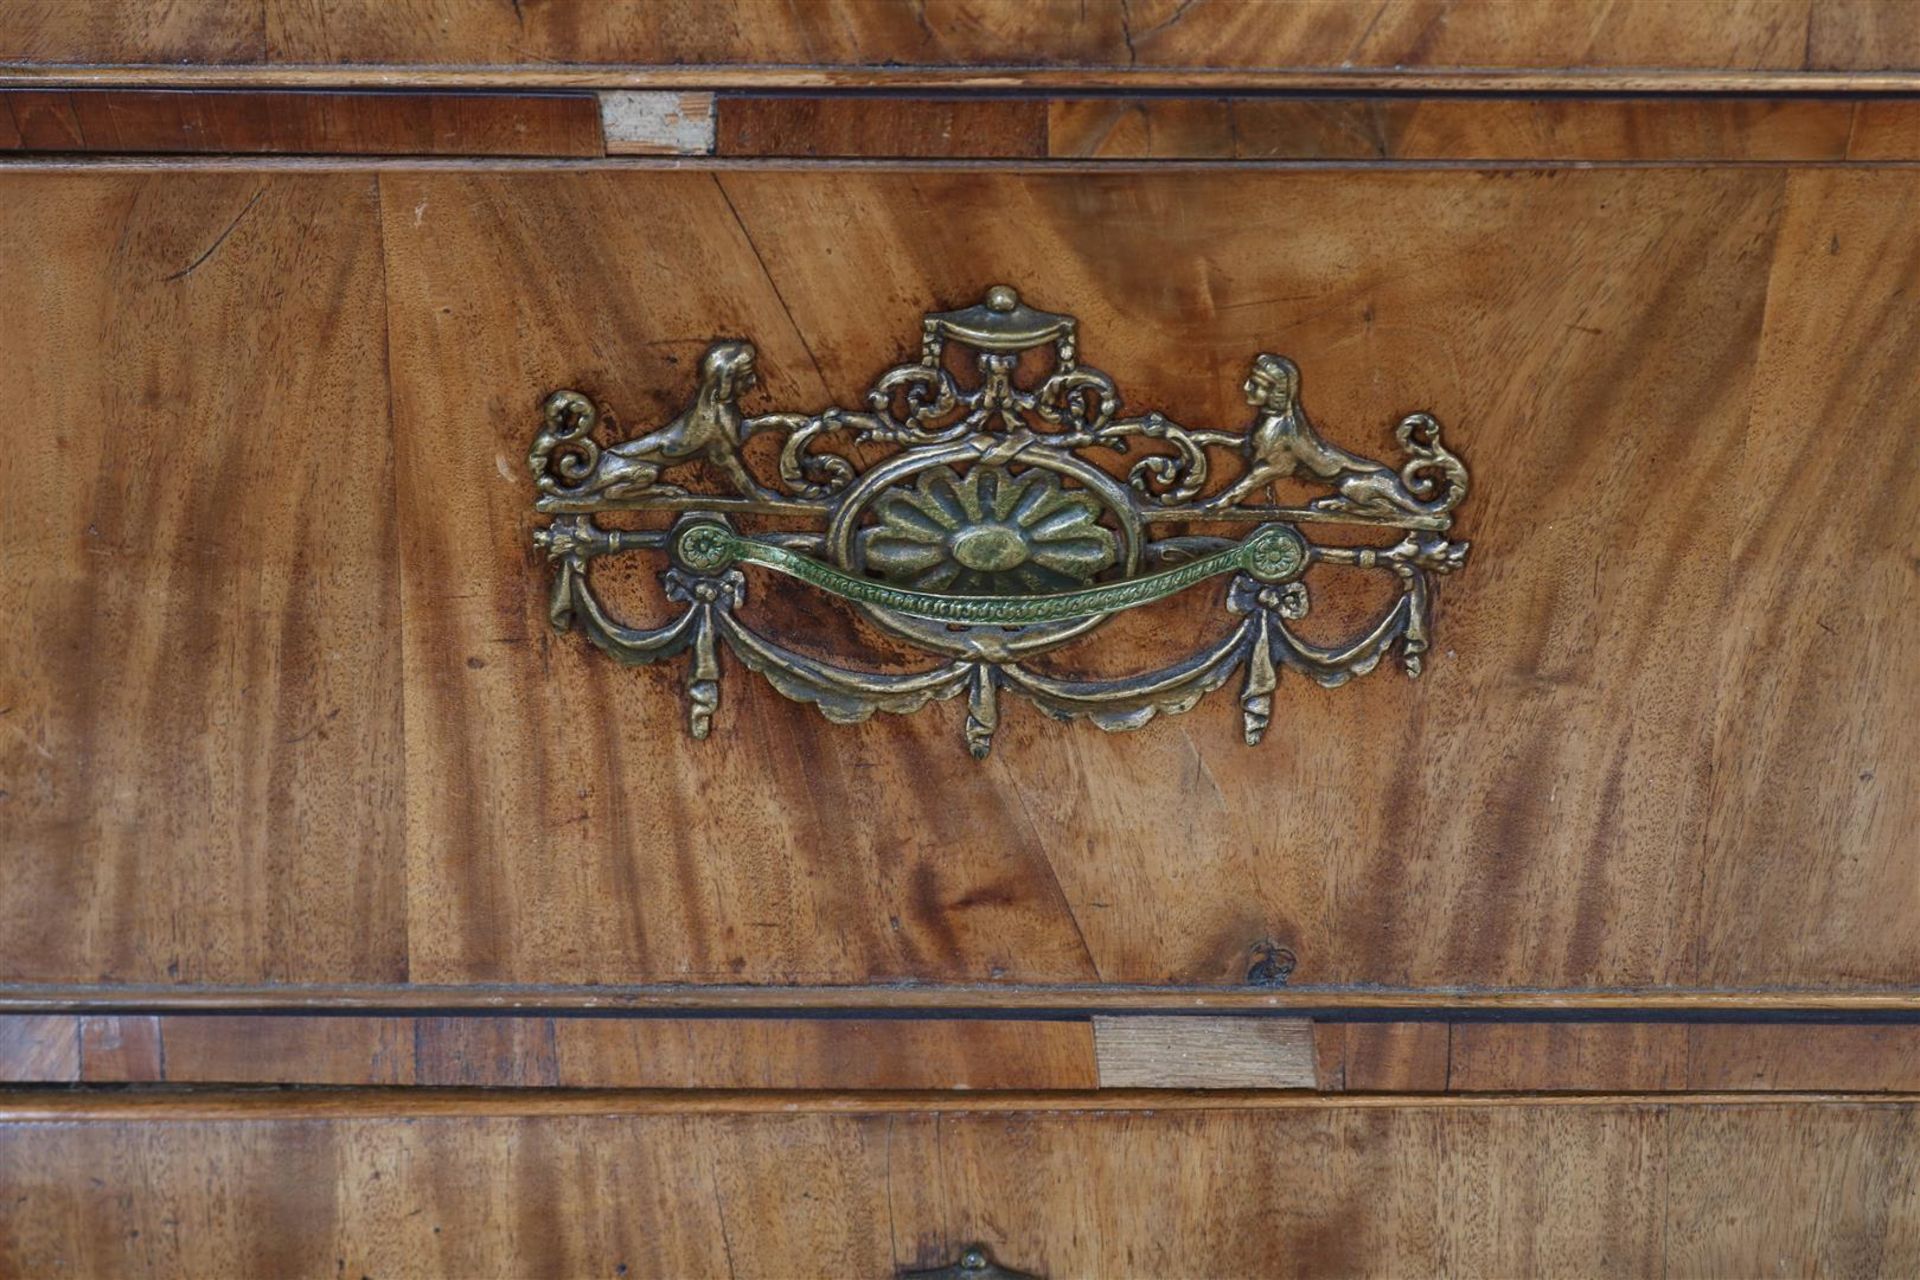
(973, 508)
(1272, 553)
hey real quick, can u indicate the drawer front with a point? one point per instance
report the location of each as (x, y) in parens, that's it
(285, 706)
(463, 1187)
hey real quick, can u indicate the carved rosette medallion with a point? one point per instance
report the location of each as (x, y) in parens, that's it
(990, 533)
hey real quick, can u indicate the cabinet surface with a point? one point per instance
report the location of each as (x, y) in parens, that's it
(356, 921)
(286, 707)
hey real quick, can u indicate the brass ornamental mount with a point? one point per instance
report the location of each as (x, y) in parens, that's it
(987, 535)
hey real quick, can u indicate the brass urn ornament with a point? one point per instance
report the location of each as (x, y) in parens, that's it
(988, 535)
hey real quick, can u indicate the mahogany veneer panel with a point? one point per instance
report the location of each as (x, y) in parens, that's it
(292, 123)
(200, 754)
(1734, 34)
(121, 1049)
(136, 31)
(1886, 129)
(1631, 1057)
(860, 126)
(826, 1053)
(653, 1053)
(975, 1053)
(1813, 759)
(1397, 128)
(1520, 1188)
(1651, 1057)
(1656, 746)
(1382, 1057)
(1535, 811)
(1380, 127)
(43, 1049)
(1722, 1056)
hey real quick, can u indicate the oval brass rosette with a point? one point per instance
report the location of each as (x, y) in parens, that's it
(990, 532)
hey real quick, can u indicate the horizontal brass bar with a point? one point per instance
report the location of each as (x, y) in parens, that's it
(1271, 554)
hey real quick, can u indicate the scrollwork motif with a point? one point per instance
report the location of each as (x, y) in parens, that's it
(986, 538)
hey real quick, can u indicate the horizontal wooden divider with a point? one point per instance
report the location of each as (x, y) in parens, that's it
(990, 1054)
(797, 77)
(35, 1106)
(953, 997)
(1013, 126)
(1202, 126)
(412, 1182)
(280, 122)
(1111, 36)
(519, 1052)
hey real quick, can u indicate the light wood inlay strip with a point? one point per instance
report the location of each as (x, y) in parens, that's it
(1204, 1053)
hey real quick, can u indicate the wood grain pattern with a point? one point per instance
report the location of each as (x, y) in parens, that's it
(865, 126)
(919, 80)
(1204, 1053)
(106, 31)
(1721, 1056)
(616, 865)
(1758, 34)
(359, 1051)
(1382, 1057)
(121, 1049)
(1523, 1188)
(1837, 666)
(43, 1049)
(1508, 1058)
(835, 1053)
(68, 1106)
(573, 1053)
(1586, 791)
(949, 998)
(1651, 1057)
(1430, 1057)
(1885, 129)
(1823, 1199)
(199, 668)
(1545, 834)
(1402, 128)
(1494, 864)
(294, 123)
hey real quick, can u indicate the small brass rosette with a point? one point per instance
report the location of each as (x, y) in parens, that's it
(989, 533)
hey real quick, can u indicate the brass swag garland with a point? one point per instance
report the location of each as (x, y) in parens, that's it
(987, 537)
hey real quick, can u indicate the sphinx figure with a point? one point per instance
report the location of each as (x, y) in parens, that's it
(1283, 442)
(711, 430)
